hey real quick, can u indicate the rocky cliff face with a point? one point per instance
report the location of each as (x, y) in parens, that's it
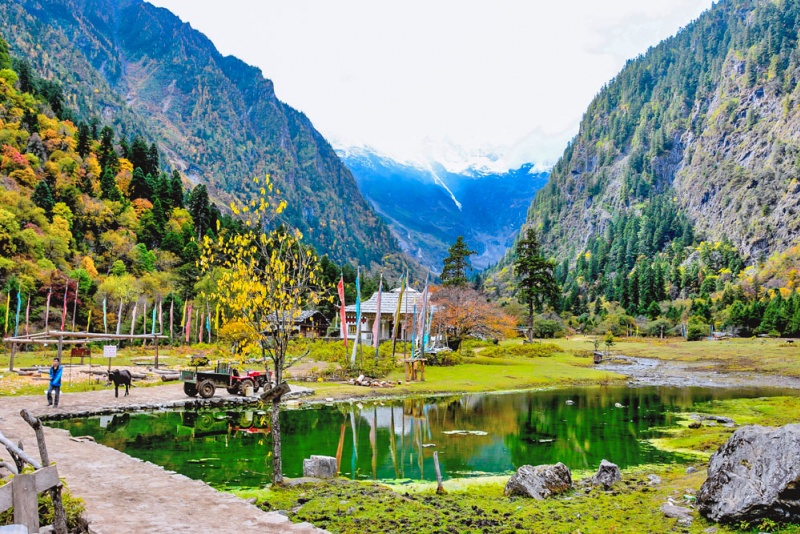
(708, 118)
(215, 118)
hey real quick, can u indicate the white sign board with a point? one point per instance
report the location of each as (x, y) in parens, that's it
(110, 351)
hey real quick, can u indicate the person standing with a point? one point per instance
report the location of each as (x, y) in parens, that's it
(55, 383)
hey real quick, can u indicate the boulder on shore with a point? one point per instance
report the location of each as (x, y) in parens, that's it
(320, 467)
(754, 475)
(540, 482)
(607, 475)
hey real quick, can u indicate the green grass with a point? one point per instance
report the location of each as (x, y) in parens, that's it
(703, 441)
(480, 374)
(354, 507)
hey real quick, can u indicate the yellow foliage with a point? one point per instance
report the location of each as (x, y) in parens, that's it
(125, 165)
(87, 264)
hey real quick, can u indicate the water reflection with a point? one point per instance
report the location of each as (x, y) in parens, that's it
(474, 434)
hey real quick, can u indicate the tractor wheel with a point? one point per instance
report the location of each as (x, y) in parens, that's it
(190, 389)
(206, 389)
(244, 384)
(233, 390)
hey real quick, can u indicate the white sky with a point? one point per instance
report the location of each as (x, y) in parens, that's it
(440, 79)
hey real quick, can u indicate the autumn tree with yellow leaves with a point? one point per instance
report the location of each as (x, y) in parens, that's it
(265, 277)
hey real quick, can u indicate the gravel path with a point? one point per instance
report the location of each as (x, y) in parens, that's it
(654, 372)
(124, 494)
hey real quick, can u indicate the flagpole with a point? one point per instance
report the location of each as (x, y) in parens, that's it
(19, 305)
(75, 305)
(47, 312)
(358, 318)
(64, 311)
(28, 315)
(171, 305)
(376, 327)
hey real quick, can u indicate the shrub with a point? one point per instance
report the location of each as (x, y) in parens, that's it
(696, 331)
(548, 329)
(534, 350)
(444, 358)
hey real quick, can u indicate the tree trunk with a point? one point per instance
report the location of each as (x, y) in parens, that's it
(530, 335)
(277, 466)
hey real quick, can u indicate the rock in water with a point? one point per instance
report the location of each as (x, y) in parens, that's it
(320, 467)
(754, 475)
(607, 475)
(540, 482)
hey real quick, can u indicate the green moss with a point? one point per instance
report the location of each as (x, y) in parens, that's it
(347, 506)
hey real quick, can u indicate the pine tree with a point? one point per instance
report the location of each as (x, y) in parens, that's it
(535, 282)
(456, 264)
(108, 186)
(43, 197)
(139, 186)
(176, 190)
(107, 155)
(83, 139)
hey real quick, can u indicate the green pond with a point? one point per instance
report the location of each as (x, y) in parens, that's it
(475, 435)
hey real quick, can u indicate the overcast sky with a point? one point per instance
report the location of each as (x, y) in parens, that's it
(442, 79)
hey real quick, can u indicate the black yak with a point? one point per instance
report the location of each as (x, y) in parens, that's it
(120, 377)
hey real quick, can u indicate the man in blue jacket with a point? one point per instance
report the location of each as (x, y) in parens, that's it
(55, 383)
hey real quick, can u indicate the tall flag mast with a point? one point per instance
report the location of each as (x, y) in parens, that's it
(358, 317)
(342, 312)
(396, 324)
(376, 327)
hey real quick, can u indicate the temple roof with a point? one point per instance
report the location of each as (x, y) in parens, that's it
(389, 302)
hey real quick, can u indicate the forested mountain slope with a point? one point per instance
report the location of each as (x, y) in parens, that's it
(708, 119)
(677, 202)
(142, 70)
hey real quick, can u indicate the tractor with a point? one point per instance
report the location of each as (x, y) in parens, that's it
(206, 382)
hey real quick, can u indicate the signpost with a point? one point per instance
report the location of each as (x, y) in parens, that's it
(110, 352)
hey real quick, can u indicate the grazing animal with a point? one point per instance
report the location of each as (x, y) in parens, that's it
(120, 377)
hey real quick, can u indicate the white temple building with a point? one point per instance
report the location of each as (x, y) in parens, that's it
(369, 309)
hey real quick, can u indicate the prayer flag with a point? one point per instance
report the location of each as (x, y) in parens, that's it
(64, 311)
(376, 327)
(19, 305)
(8, 307)
(342, 312)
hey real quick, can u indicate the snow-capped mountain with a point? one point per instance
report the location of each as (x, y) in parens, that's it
(428, 205)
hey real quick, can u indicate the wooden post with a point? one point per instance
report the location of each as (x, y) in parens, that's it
(439, 488)
(25, 502)
(155, 342)
(13, 353)
(59, 514)
(60, 346)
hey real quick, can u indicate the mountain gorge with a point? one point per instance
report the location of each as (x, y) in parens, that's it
(216, 119)
(428, 207)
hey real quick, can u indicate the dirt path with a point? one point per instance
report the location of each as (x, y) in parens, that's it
(124, 494)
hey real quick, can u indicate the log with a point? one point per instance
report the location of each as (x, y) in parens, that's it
(170, 378)
(10, 466)
(15, 450)
(276, 393)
